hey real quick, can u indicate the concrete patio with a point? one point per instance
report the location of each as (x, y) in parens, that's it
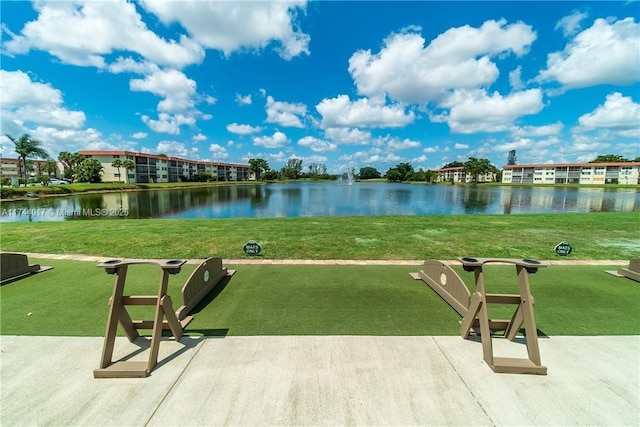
(320, 380)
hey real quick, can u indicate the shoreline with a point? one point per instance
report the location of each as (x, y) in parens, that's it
(21, 192)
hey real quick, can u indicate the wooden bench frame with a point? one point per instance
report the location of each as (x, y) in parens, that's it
(473, 308)
(633, 272)
(203, 279)
(14, 266)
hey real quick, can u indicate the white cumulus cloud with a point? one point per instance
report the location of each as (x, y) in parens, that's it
(176, 89)
(395, 143)
(571, 24)
(243, 100)
(606, 53)
(317, 145)
(26, 101)
(348, 136)
(364, 112)
(285, 113)
(168, 123)
(473, 111)
(239, 129)
(176, 149)
(617, 112)
(406, 70)
(537, 131)
(278, 139)
(231, 26)
(84, 32)
(218, 152)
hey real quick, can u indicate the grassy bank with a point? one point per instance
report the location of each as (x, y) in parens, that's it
(592, 235)
(71, 300)
(8, 193)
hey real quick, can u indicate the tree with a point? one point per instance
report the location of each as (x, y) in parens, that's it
(117, 163)
(89, 171)
(454, 164)
(202, 177)
(70, 162)
(431, 175)
(419, 175)
(405, 170)
(27, 147)
(476, 167)
(393, 175)
(128, 165)
(292, 169)
(29, 167)
(609, 158)
(50, 167)
(257, 166)
(270, 175)
(317, 169)
(511, 159)
(369, 173)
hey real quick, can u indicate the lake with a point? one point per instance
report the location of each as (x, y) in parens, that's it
(308, 199)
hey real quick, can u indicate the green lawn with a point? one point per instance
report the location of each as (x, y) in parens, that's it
(592, 235)
(71, 300)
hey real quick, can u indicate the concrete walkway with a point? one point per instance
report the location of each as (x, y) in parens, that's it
(320, 380)
(260, 260)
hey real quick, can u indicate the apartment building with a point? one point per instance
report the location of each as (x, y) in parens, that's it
(13, 169)
(154, 168)
(458, 174)
(573, 173)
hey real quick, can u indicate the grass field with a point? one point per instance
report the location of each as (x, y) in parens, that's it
(592, 236)
(71, 300)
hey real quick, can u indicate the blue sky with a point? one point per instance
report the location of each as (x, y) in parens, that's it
(336, 83)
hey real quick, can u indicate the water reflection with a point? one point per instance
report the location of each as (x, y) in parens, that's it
(323, 199)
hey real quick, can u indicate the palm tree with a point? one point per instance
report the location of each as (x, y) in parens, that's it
(27, 147)
(128, 165)
(117, 163)
(50, 167)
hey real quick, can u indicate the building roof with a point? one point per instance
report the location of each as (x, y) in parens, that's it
(562, 165)
(154, 156)
(15, 159)
(453, 169)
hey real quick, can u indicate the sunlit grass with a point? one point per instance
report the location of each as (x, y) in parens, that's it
(71, 300)
(592, 236)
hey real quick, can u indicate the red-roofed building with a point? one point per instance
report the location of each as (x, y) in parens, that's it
(573, 173)
(159, 168)
(458, 174)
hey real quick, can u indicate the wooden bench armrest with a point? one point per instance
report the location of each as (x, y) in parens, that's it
(531, 265)
(172, 266)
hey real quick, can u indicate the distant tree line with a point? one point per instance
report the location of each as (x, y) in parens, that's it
(78, 168)
(400, 173)
(613, 158)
